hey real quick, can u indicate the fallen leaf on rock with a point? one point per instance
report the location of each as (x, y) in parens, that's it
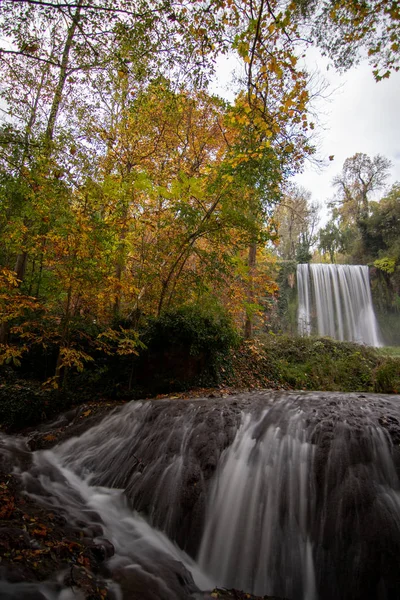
(83, 560)
(8, 507)
(42, 532)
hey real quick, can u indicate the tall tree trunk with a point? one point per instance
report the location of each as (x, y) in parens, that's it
(3, 333)
(248, 327)
(62, 78)
(34, 110)
(120, 262)
(39, 281)
(20, 265)
(60, 372)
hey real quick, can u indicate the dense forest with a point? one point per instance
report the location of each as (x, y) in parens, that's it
(129, 192)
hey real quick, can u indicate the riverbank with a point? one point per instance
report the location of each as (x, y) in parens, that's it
(269, 362)
(313, 363)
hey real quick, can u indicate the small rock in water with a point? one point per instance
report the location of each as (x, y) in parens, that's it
(102, 549)
(81, 578)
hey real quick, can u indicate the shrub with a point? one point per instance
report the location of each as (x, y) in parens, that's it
(322, 363)
(189, 326)
(188, 346)
(24, 404)
(387, 376)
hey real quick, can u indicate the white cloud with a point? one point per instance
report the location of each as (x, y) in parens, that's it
(360, 116)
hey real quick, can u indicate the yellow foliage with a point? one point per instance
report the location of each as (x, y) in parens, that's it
(73, 358)
(8, 278)
(11, 354)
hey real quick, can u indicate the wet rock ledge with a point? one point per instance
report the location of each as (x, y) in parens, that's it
(41, 553)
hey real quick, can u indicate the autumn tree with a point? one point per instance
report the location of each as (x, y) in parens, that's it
(360, 178)
(297, 219)
(128, 189)
(359, 182)
(273, 106)
(56, 60)
(182, 213)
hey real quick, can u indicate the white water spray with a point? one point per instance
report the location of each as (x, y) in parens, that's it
(335, 301)
(247, 544)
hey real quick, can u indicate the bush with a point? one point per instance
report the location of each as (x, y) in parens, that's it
(24, 403)
(387, 377)
(186, 347)
(190, 327)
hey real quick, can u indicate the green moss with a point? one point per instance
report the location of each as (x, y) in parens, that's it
(185, 348)
(285, 319)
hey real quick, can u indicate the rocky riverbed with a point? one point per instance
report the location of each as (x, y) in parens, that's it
(327, 466)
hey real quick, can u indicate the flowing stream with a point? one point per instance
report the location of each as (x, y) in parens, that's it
(335, 300)
(295, 495)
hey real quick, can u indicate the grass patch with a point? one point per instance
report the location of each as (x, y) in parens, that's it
(316, 364)
(389, 351)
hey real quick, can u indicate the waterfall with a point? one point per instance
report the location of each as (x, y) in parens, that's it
(294, 495)
(335, 301)
(265, 473)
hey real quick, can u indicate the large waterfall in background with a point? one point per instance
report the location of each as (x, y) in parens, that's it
(335, 300)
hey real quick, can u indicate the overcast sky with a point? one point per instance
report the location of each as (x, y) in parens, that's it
(359, 115)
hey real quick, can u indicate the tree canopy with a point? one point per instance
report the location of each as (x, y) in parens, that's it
(127, 188)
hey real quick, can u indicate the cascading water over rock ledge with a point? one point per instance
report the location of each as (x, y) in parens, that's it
(335, 300)
(295, 495)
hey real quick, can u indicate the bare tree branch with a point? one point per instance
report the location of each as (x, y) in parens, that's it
(31, 56)
(89, 6)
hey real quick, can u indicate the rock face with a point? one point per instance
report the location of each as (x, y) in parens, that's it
(292, 495)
